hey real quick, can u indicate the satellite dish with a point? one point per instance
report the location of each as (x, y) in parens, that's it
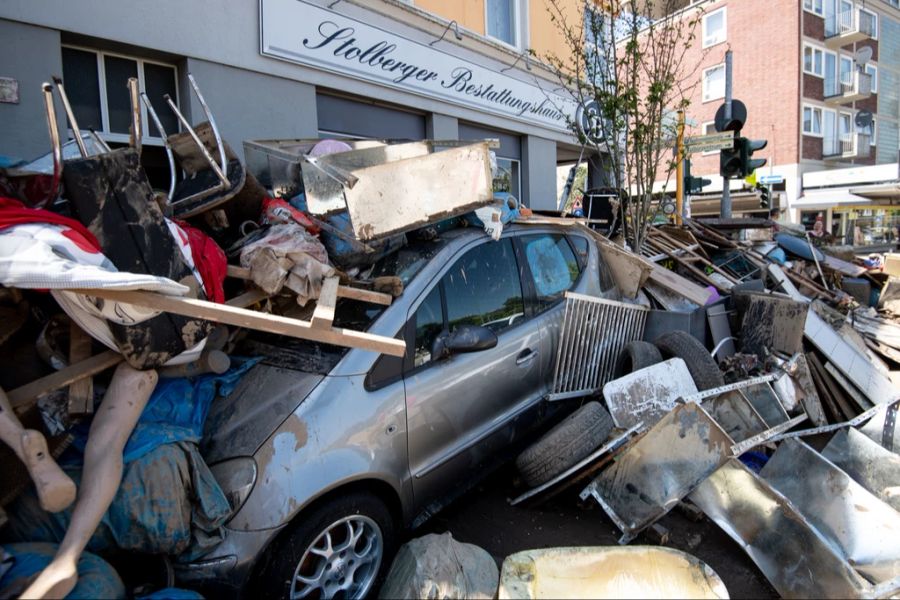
(863, 55)
(863, 119)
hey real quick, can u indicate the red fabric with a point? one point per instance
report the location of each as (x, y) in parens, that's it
(13, 212)
(278, 211)
(210, 261)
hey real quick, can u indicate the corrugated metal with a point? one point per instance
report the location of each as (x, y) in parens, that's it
(593, 333)
(888, 90)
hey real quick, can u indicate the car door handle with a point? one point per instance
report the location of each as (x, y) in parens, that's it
(526, 356)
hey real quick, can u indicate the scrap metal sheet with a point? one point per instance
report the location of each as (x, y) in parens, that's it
(793, 556)
(660, 469)
(862, 528)
(869, 464)
(734, 413)
(646, 395)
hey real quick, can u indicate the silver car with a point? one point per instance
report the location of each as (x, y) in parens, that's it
(327, 454)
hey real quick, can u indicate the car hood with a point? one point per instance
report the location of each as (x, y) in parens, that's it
(239, 423)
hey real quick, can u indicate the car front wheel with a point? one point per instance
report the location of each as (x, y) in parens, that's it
(339, 549)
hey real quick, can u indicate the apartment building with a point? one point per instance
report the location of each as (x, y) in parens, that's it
(400, 69)
(821, 82)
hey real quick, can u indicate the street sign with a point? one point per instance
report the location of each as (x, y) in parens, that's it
(770, 179)
(709, 143)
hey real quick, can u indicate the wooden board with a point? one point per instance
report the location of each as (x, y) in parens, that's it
(21, 397)
(343, 291)
(231, 315)
(81, 392)
(323, 315)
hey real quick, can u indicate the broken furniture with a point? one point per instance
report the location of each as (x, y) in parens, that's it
(608, 572)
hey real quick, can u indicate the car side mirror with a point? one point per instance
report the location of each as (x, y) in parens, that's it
(465, 338)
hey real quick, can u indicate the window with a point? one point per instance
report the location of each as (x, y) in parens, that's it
(501, 21)
(868, 21)
(845, 126)
(507, 178)
(870, 131)
(100, 99)
(873, 71)
(483, 288)
(553, 265)
(813, 61)
(846, 74)
(429, 323)
(714, 28)
(714, 83)
(812, 120)
(709, 128)
(814, 6)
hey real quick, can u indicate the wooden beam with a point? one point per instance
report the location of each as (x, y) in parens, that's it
(344, 291)
(248, 298)
(28, 393)
(81, 392)
(323, 315)
(231, 315)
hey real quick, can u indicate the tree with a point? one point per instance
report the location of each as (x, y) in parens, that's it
(624, 66)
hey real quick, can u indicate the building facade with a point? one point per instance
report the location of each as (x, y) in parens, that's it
(283, 69)
(821, 82)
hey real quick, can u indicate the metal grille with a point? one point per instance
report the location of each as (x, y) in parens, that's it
(593, 333)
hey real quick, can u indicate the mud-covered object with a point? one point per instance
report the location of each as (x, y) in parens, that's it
(168, 503)
(96, 577)
(437, 566)
(111, 196)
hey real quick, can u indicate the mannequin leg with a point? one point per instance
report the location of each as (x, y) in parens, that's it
(55, 489)
(113, 423)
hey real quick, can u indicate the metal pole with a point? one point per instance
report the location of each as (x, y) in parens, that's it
(679, 168)
(726, 183)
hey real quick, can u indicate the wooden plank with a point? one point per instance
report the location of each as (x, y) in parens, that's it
(248, 298)
(861, 402)
(20, 397)
(237, 272)
(81, 392)
(343, 291)
(830, 406)
(231, 315)
(323, 315)
(676, 283)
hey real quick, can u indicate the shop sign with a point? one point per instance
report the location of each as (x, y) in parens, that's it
(302, 33)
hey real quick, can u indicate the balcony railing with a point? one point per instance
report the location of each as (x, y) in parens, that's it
(858, 88)
(849, 26)
(845, 146)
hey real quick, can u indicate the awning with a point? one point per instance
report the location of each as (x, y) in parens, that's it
(880, 191)
(741, 202)
(827, 198)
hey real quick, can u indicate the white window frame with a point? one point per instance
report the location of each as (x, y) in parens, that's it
(810, 7)
(704, 91)
(873, 71)
(703, 127)
(821, 111)
(874, 131)
(842, 60)
(518, 38)
(123, 138)
(875, 16)
(821, 53)
(724, 36)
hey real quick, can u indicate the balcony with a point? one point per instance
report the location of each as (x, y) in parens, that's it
(846, 147)
(848, 26)
(841, 92)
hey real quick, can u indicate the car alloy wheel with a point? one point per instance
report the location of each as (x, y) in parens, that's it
(342, 562)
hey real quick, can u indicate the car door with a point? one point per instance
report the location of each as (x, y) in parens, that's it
(460, 409)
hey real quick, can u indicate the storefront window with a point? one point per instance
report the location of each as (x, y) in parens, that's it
(507, 177)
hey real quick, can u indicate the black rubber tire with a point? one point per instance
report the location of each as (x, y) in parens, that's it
(281, 559)
(637, 355)
(571, 440)
(700, 363)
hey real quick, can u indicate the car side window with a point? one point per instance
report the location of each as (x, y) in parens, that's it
(429, 323)
(553, 265)
(483, 288)
(581, 244)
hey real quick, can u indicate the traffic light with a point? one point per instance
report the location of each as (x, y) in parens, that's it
(730, 165)
(764, 198)
(748, 147)
(693, 184)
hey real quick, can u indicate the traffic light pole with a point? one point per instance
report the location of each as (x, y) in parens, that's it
(726, 183)
(679, 168)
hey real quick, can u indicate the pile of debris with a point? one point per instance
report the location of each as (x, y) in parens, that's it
(749, 381)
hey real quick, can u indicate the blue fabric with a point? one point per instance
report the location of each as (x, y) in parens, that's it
(172, 594)
(777, 255)
(96, 577)
(548, 265)
(754, 461)
(175, 412)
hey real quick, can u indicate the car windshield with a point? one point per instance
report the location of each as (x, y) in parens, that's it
(315, 357)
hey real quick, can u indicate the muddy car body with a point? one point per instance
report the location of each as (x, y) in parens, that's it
(312, 429)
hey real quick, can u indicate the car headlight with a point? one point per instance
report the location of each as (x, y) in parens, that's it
(236, 478)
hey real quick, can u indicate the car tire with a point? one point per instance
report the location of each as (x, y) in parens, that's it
(637, 355)
(570, 441)
(700, 363)
(291, 554)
